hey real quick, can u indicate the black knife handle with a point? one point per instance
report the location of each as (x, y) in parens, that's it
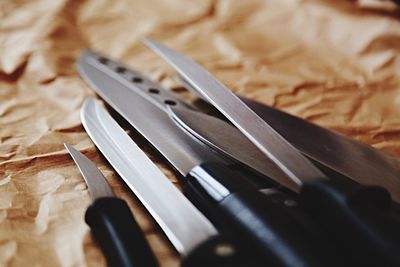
(222, 251)
(357, 217)
(118, 234)
(282, 238)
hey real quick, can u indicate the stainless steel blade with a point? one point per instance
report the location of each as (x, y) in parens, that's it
(281, 152)
(146, 115)
(350, 158)
(327, 148)
(183, 224)
(96, 182)
(229, 141)
(158, 96)
(353, 159)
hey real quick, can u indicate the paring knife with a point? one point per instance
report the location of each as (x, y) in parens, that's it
(192, 234)
(210, 182)
(357, 216)
(111, 221)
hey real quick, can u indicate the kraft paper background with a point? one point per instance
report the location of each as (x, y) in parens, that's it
(335, 63)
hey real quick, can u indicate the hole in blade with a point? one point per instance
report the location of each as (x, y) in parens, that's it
(137, 80)
(154, 91)
(120, 69)
(103, 60)
(170, 102)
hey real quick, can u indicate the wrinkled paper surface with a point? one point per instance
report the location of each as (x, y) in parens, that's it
(334, 63)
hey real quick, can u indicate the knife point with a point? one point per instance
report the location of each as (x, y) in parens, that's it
(149, 42)
(66, 146)
(70, 148)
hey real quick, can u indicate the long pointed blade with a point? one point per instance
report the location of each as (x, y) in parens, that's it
(281, 152)
(183, 223)
(229, 141)
(96, 182)
(145, 114)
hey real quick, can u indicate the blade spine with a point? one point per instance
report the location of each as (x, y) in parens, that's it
(172, 57)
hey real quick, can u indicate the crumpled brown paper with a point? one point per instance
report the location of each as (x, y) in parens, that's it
(335, 63)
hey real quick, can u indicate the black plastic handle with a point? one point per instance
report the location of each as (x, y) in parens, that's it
(118, 234)
(223, 251)
(277, 234)
(359, 218)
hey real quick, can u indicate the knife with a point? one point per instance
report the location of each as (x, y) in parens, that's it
(335, 153)
(192, 234)
(111, 221)
(337, 150)
(263, 220)
(162, 98)
(355, 215)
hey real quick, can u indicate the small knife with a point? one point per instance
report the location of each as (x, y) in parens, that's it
(111, 221)
(211, 182)
(192, 234)
(358, 217)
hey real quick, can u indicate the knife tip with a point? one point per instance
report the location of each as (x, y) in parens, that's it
(152, 44)
(148, 42)
(69, 148)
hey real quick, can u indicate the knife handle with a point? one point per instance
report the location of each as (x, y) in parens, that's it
(118, 234)
(221, 251)
(282, 238)
(360, 218)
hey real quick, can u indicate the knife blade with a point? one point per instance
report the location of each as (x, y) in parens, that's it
(192, 234)
(367, 163)
(337, 150)
(275, 147)
(210, 181)
(162, 98)
(348, 211)
(111, 221)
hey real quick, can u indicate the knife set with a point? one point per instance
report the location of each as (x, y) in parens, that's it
(254, 195)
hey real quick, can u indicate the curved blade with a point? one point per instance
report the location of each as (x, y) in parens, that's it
(96, 182)
(281, 152)
(183, 224)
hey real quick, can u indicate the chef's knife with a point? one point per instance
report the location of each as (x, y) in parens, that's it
(335, 153)
(111, 222)
(192, 234)
(258, 218)
(356, 215)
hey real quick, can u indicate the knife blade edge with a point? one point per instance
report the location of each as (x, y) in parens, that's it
(281, 152)
(184, 240)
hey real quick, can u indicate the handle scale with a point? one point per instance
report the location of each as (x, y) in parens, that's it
(278, 235)
(357, 217)
(118, 234)
(221, 251)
